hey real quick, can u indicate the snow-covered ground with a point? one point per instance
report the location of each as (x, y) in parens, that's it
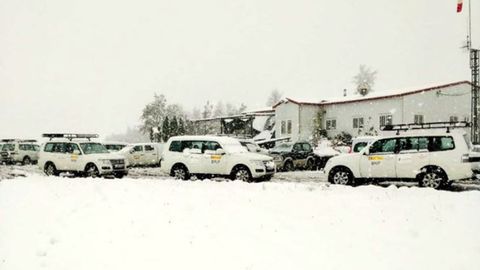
(65, 223)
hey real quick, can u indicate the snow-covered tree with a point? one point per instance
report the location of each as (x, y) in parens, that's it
(230, 109)
(207, 110)
(242, 108)
(274, 98)
(364, 80)
(219, 109)
(152, 116)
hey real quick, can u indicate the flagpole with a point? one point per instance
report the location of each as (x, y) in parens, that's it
(469, 40)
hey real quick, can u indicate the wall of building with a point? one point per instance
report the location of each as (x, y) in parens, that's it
(285, 112)
(369, 110)
(438, 106)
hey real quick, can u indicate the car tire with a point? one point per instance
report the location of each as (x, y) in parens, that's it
(432, 178)
(241, 173)
(27, 160)
(310, 165)
(288, 166)
(91, 171)
(340, 176)
(181, 172)
(50, 169)
(119, 175)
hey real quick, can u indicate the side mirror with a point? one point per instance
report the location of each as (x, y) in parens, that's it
(220, 151)
(131, 151)
(367, 151)
(76, 152)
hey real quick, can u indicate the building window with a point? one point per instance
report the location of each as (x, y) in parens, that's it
(453, 119)
(283, 127)
(331, 124)
(358, 122)
(385, 120)
(289, 126)
(418, 119)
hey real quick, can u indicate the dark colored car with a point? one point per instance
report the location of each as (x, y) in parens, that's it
(291, 156)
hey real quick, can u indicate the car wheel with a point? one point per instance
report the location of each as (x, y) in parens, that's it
(27, 161)
(432, 179)
(340, 176)
(92, 171)
(242, 173)
(310, 165)
(181, 172)
(288, 166)
(119, 175)
(50, 170)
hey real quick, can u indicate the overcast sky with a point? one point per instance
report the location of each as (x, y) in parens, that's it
(91, 65)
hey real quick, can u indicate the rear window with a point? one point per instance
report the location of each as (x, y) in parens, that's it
(175, 146)
(441, 144)
(8, 147)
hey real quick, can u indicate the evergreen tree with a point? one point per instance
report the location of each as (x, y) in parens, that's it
(181, 126)
(173, 127)
(274, 98)
(166, 129)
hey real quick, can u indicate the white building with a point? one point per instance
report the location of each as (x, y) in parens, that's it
(360, 115)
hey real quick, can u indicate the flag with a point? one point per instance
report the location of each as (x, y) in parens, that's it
(459, 6)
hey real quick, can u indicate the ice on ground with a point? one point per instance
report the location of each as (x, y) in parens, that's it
(61, 223)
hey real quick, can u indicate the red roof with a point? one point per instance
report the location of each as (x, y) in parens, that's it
(375, 97)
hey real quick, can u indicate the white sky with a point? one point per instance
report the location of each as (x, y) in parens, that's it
(91, 65)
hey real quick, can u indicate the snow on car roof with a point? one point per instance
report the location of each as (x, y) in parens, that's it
(207, 138)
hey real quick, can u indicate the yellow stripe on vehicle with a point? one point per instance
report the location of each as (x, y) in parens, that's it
(375, 158)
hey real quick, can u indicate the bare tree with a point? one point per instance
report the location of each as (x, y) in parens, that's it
(274, 98)
(364, 80)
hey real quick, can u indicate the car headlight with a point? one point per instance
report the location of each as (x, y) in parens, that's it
(105, 162)
(258, 163)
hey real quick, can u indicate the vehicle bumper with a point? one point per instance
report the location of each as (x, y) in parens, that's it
(109, 170)
(262, 171)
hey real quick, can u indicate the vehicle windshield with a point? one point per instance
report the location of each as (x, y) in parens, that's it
(8, 147)
(234, 147)
(283, 147)
(114, 147)
(93, 148)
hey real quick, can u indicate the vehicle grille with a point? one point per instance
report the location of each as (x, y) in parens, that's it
(4, 154)
(117, 161)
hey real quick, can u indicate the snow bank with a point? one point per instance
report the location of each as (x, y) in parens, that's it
(61, 223)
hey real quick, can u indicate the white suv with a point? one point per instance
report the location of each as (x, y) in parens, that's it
(205, 156)
(75, 153)
(430, 157)
(19, 151)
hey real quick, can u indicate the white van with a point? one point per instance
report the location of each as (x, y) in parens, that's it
(143, 154)
(77, 154)
(206, 156)
(433, 158)
(19, 151)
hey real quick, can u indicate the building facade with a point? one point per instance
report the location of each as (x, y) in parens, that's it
(364, 115)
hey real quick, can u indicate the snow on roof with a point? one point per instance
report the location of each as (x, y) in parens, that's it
(375, 95)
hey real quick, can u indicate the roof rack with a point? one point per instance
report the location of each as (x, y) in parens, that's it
(430, 125)
(19, 140)
(69, 136)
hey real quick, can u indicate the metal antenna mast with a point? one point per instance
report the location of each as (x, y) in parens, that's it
(474, 66)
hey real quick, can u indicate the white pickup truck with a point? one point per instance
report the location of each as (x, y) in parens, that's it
(142, 154)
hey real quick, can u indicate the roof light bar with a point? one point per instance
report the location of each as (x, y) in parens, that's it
(69, 136)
